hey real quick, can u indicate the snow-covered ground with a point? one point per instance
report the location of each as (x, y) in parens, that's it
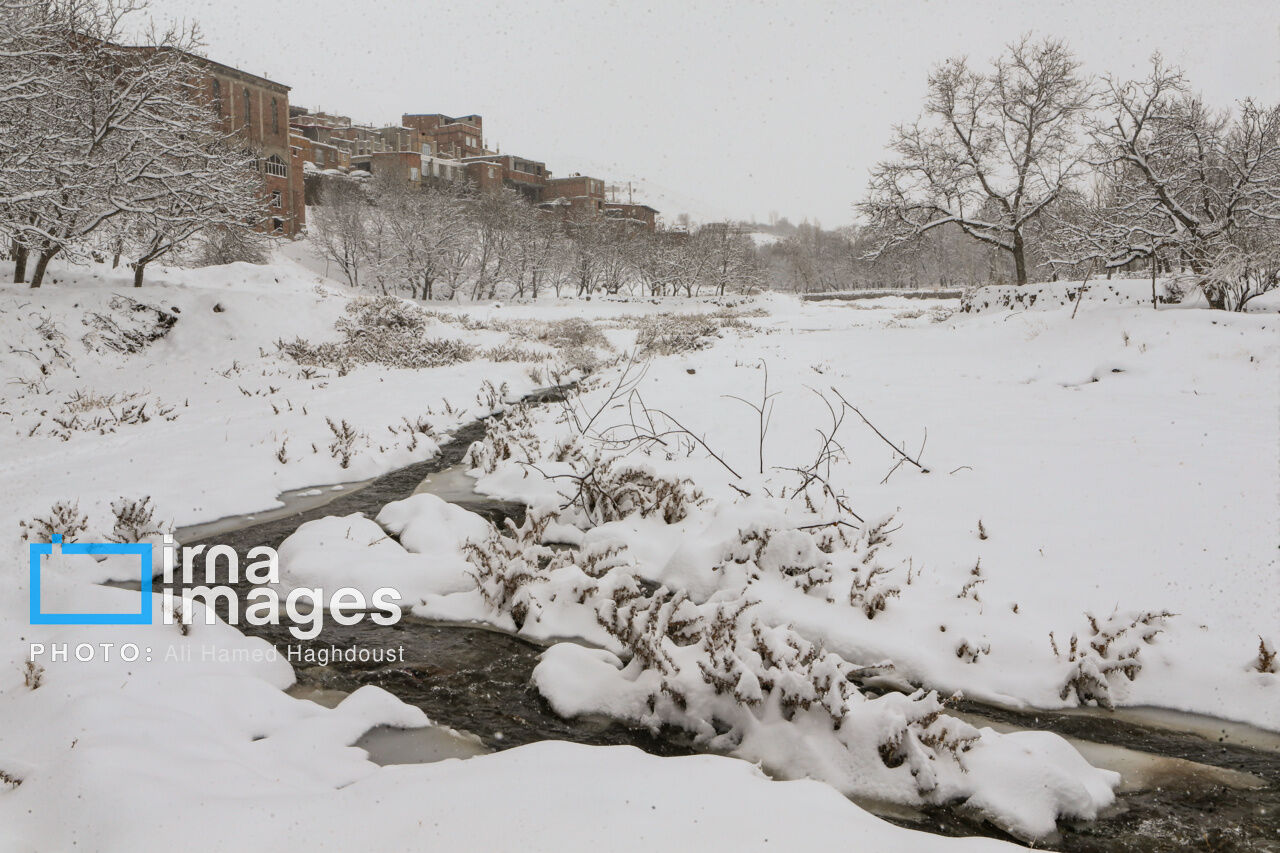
(1122, 462)
(1085, 477)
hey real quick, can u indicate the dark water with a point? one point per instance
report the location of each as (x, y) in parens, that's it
(478, 680)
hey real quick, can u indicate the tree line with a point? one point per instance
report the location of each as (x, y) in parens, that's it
(1047, 167)
(446, 240)
(107, 150)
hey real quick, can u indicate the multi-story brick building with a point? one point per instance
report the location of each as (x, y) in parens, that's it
(257, 111)
(640, 214)
(486, 175)
(528, 177)
(582, 193)
(454, 138)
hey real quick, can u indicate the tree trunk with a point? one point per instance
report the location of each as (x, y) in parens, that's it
(1019, 258)
(138, 268)
(1154, 267)
(19, 254)
(42, 263)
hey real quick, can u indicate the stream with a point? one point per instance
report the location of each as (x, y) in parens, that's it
(1190, 783)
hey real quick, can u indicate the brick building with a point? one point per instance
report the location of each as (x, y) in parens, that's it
(583, 194)
(454, 138)
(485, 174)
(529, 177)
(257, 110)
(639, 214)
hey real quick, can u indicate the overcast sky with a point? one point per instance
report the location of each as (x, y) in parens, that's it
(721, 109)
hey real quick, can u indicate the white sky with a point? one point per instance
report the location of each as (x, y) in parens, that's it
(722, 109)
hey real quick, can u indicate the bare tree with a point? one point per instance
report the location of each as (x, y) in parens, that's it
(197, 181)
(341, 226)
(427, 225)
(1177, 178)
(991, 153)
(108, 121)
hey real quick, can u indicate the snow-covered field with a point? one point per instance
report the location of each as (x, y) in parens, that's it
(1124, 462)
(1097, 522)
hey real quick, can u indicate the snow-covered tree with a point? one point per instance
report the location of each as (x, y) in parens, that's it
(341, 226)
(992, 152)
(1178, 179)
(109, 147)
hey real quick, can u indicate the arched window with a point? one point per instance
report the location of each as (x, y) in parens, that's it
(248, 116)
(275, 116)
(217, 96)
(273, 165)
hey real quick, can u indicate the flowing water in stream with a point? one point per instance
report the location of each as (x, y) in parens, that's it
(1189, 783)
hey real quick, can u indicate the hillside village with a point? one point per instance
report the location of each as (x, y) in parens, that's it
(298, 145)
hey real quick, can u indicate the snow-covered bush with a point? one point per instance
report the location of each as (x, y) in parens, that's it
(1111, 650)
(509, 436)
(32, 678)
(492, 398)
(64, 518)
(85, 411)
(829, 560)
(1266, 660)
(670, 334)
(615, 488)
(129, 326)
(512, 352)
(380, 330)
(135, 520)
(764, 693)
(518, 576)
(345, 438)
(571, 333)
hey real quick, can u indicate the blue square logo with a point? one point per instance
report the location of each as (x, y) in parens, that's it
(144, 553)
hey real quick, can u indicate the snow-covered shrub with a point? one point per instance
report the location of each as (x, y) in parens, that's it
(572, 333)
(1266, 660)
(764, 693)
(580, 360)
(50, 344)
(669, 334)
(512, 352)
(64, 518)
(830, 560)
(503, 566)
(135, 520)
(1048, 296)
(519, 576)
(1111, 649)
(343, 446)
(787, 552)
(722, 674)
(509, 436)
(492, 398)
(103, 414)
(129, 326)
(380, 330)
(616, 488)
(736, 683)
(32, 675)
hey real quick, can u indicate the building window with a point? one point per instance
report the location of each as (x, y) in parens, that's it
(273, 165)
(217, 97)
(248, 116)
(277, 199)
(275, 116)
